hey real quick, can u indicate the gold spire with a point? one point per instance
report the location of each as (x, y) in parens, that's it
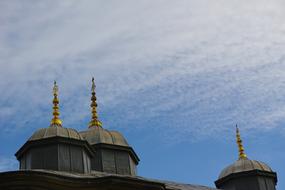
(94, 121)
(55, 122)
(242, 155)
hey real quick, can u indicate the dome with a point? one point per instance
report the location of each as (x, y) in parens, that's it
(243, 165)
(96, 135)
(48, 132)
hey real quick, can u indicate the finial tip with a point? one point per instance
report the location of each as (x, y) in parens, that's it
(93, 85)
(55, 88)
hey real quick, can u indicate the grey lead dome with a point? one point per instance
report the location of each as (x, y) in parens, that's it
(48, 132)
(243, 165)
(96, 135)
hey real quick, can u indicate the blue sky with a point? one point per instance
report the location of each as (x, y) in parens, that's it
(173, 76)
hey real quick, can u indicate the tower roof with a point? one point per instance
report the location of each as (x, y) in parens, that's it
(55, 129)
(243, 164)
(49, 132)
(97, 135)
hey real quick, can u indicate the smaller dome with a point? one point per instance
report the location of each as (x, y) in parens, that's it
(48, 132)
(243, 165)
(96, 135)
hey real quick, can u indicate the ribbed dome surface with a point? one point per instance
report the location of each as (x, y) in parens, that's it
(243, 165)
(48, 132)
(97, 135)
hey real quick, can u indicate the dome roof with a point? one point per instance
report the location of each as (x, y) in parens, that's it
(96, 135)
(48, 132)
(243, 165)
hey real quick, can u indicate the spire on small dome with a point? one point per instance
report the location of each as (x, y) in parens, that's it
(94, 120)
(242, 155)
(55, 122)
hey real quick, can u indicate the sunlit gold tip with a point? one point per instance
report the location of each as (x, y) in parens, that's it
(55, 120)
(94, 120)
(242, 155)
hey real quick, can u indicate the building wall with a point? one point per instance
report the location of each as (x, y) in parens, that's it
(113, 161)
(61, 157)
(249, 183)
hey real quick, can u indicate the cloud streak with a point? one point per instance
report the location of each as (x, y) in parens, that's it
(193, 68)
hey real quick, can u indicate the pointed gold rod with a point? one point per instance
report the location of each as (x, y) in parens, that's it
(242, 155)
(55, 121)
(94, 120)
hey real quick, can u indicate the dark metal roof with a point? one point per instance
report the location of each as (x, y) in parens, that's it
(180, 186)
(48, 132)
(96, 135)
(243, 165)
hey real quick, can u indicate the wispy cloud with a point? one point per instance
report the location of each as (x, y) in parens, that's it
(194, 67)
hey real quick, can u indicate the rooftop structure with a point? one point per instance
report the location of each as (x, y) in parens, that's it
(56, 158)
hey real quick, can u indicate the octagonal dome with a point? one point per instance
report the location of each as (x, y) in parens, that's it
(48, 132)
(96, 135)
(243, 165)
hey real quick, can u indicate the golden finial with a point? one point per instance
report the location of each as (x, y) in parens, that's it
(55, 122)
(94, 121)
(242, 155)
